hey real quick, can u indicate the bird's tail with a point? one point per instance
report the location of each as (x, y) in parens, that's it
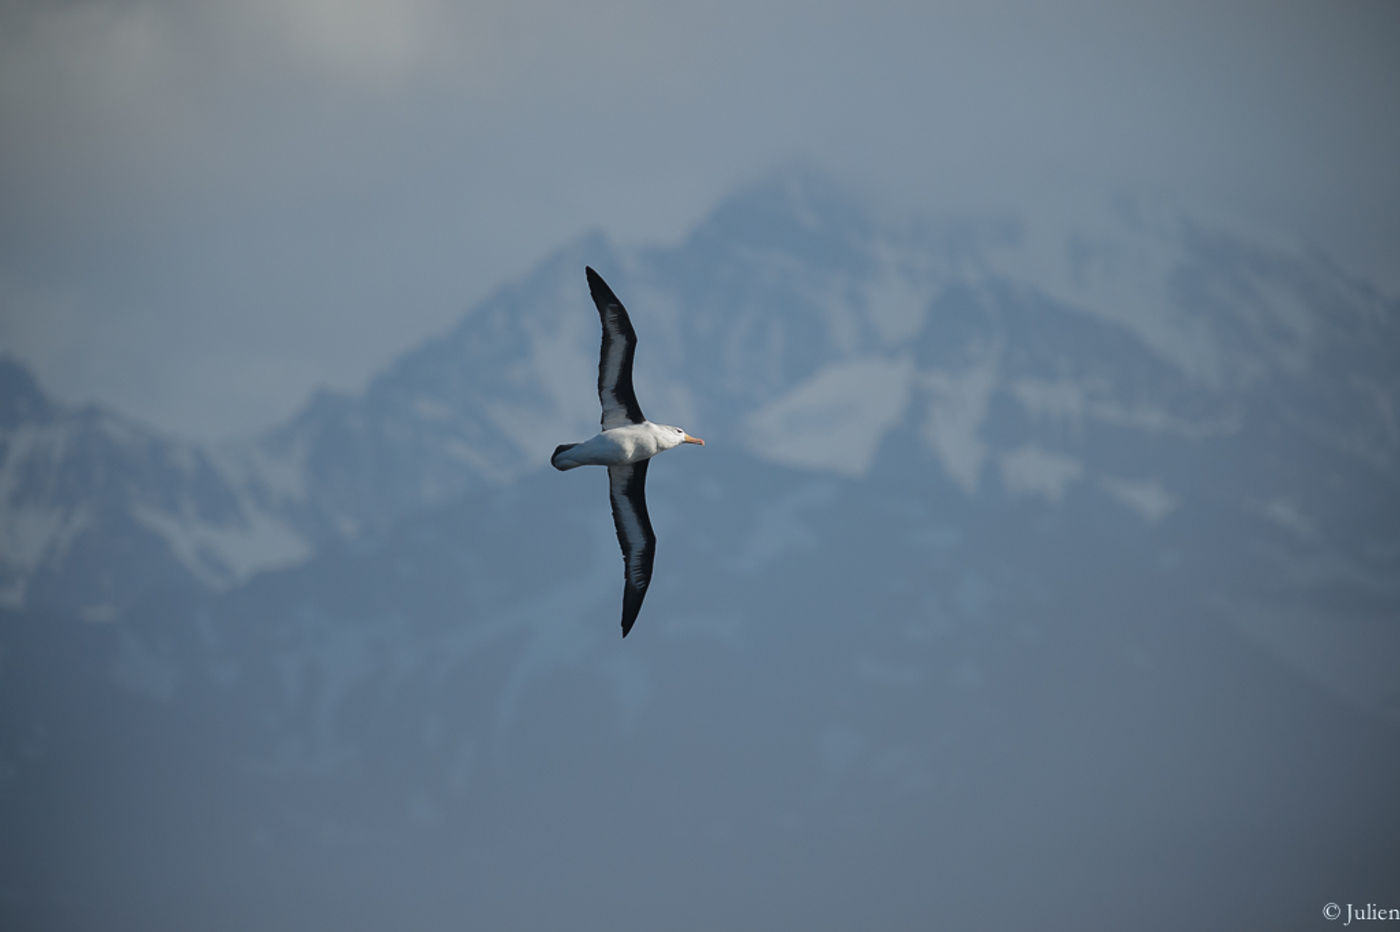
(554, 459)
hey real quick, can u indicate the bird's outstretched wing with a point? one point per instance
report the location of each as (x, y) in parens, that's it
(628, 488)
(615, 392)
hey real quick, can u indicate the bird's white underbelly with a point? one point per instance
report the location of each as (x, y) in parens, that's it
(613, 447)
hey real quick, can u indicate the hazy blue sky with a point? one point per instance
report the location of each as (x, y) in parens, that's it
(208, 208)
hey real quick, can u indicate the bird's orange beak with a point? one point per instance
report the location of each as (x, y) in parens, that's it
(690, 439)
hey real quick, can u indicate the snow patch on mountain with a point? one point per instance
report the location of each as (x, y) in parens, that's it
(1034, 470)
(1074, 402)
(1057, 399)
(1153, 418)
(468, 455)
(957, 406)
(1287, 515)
(274, 472)
(221, 554)
(836, 419)
(1145, 497)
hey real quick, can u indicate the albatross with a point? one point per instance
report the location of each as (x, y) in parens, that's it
(625, 445)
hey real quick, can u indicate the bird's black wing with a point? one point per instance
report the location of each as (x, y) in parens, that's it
(628, 491)
(615, 392)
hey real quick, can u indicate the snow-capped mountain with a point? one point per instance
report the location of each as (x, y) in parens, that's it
(99, 509)
(790, 310)
(1047, 557)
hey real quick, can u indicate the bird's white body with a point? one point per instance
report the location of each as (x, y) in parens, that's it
(618, 446)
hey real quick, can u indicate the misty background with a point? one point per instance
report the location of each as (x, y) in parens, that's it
(1040, 570)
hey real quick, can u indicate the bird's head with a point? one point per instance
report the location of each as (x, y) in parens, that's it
(674, 437)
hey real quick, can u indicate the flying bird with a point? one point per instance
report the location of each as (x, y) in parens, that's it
(625, 445)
